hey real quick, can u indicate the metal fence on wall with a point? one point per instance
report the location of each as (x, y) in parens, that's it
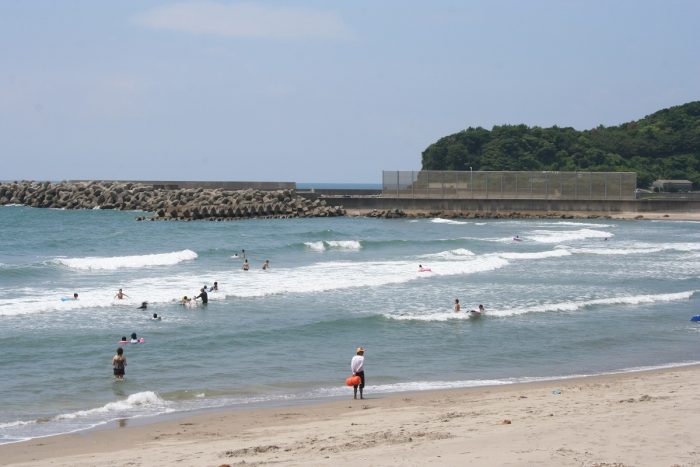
(509, 185)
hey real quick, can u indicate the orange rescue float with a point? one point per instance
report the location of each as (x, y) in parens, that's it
(353, 381)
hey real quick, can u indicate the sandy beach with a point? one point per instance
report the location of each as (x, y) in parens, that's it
(641, 419)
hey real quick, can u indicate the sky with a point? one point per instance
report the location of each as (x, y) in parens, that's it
(318, 91)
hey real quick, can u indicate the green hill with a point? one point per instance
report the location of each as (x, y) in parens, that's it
(663, 145)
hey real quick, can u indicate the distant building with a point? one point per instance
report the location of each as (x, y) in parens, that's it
(672, 185)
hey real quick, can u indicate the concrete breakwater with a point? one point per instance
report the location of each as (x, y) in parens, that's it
(166, 204)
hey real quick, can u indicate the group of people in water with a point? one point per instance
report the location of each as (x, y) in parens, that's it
(475, 313)
(203, 295)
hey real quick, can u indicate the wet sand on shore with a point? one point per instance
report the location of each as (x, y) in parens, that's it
(644, 418)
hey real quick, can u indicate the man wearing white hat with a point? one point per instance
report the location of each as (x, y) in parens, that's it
(357, 366)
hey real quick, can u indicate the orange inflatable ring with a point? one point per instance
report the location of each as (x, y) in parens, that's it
(353, 381)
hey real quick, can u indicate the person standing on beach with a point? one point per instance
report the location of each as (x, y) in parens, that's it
(357, 366)
(119, 364)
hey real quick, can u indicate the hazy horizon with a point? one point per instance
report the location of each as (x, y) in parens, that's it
(318, 92)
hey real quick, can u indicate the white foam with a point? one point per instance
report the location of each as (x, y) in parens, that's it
(344, 244)
(629, 248)
(559, 236)
(448, 314)
(318, 277)
(140, 401)
(316, 246)
(117, 262)
(611, 250)
(577, 224)
(535, 254)
(450, 254)
(579, 304)
(439, 220)
(430, 316)
(323, 245)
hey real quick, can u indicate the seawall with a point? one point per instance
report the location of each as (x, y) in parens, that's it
(508, 205)
(166, 203)
(191, 201)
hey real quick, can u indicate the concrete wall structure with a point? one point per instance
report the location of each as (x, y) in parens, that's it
(511, 205)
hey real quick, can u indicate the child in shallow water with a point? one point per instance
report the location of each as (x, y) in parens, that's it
(119, 364)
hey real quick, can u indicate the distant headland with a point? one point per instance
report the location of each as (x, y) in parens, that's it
(663, 145)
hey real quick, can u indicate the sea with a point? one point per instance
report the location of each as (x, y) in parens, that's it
(568, 298)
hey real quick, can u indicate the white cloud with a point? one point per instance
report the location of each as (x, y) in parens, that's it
(245, 20)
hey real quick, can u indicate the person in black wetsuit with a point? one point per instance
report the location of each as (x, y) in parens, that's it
(203, 295)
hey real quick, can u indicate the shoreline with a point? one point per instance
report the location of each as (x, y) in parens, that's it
(635, 418)
(411, 214)
(564, 215)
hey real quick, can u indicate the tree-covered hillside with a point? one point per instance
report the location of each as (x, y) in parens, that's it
(664, 145)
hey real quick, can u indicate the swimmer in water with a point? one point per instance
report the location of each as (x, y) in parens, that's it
(214, 287)
(457, 305)
(246, 265)
(75, 296)
(143, 306)
(156, 317)
(185, 300)
(266, 265)
(120, 295)
(134, 339)
(203, 295)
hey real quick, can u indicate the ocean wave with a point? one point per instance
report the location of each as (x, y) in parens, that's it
(136, 405)
(147, 401)
(581, 304)
(611, 250)
(626, 248)
(323, 245)
(535, 254)
(447, 314)
(439, 220)
(451, 254)
(318, 277)
(559, 236)
(117, 262)
(432, 316)
(577, 224)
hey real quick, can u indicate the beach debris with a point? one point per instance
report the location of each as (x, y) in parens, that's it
(251, 451)
(556, 392)
(506, 421)
(644, 398)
